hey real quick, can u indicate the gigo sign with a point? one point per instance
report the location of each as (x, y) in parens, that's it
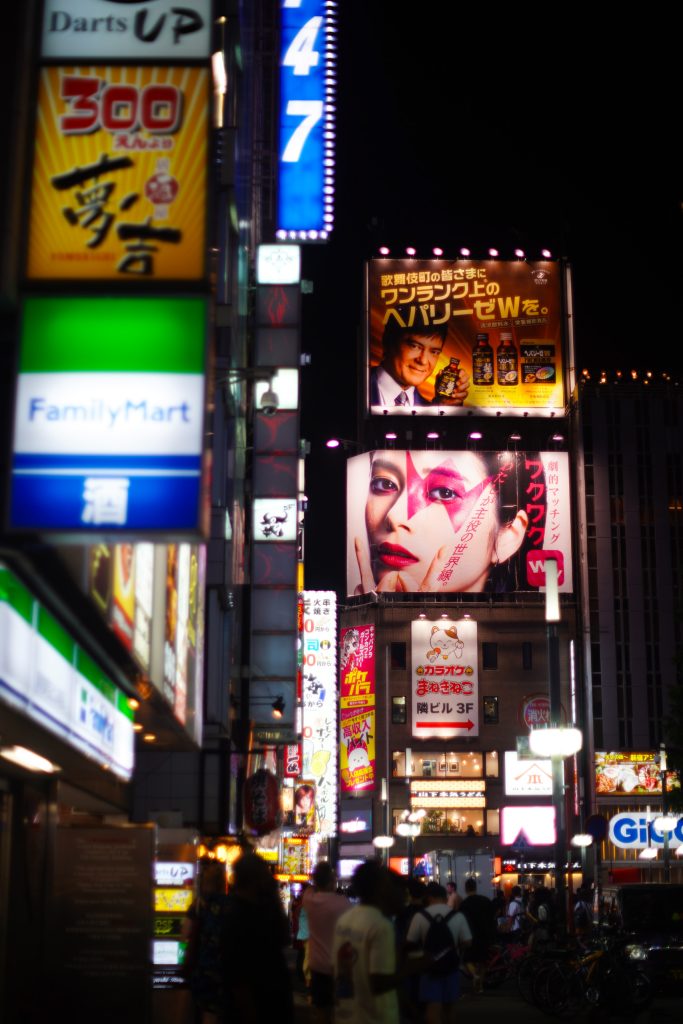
(636, 831)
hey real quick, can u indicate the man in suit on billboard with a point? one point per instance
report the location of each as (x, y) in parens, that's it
(409, 356)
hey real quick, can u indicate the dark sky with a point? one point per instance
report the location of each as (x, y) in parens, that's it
(547, 128)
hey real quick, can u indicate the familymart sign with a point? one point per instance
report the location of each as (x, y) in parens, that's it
(109, 415)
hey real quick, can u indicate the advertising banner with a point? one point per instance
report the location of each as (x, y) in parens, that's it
(108, 426)
(630, 773)
(316, 803)
(119, 175)
(457, 521)
(357, 703)
(156, 29)
(453, 337)
(444, 678)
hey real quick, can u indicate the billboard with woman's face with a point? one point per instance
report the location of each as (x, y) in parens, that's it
(457, 521)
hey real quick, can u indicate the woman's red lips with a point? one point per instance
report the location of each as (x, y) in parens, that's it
(395, 557)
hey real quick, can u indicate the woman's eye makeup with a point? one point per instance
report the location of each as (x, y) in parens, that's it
(383, 485)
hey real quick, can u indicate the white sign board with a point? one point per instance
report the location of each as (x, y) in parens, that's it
(119, 29)
(527, 777)
(444, 679)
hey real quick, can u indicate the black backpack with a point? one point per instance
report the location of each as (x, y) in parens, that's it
(439, 945)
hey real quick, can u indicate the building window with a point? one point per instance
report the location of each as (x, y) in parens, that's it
(493, 822)
(492, 763)
(489, 654)
(398, 655)
(527, 660)
(490, 706)
(399, 711)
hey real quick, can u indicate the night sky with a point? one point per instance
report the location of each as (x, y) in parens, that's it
(482, 129)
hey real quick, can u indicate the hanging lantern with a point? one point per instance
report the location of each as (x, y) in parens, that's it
(261, 802)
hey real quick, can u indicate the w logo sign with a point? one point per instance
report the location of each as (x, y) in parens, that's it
(535, 567)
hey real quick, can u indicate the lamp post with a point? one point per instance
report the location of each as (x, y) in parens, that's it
(410, 826)
(666, 823)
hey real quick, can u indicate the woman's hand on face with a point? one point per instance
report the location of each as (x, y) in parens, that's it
(400, 581)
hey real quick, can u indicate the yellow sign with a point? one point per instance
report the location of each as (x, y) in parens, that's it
(119, 174)
(175, 901)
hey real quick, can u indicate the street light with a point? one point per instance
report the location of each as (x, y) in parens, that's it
(410, 826)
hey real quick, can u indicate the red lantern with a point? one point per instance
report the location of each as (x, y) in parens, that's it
(262, 802)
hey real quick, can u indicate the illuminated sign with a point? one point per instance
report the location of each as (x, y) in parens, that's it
(463, 793)
(306, 120)
(452, 338)
(119, 178)
(527, 826)
(46, 675)
(174, 901)
(91, 29)
(108, 426)
(357, 703)
(275, 519)
(631, 831)
(454, 521)
(278, 264)
(444, 678)
(356, 819)
(630, 773)
(319, 706)
(527, 777)
(175, 872)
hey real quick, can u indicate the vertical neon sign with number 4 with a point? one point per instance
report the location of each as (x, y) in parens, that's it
(303, 117)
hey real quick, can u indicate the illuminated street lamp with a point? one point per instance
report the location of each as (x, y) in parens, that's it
(409, 826)
(555, 741)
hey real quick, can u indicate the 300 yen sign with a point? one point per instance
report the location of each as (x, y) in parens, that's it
(93, 104)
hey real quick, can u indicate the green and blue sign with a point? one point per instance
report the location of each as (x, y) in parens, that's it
(109, 415)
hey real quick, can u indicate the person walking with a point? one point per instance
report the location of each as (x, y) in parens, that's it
(202, 931)
(364, 951)
(323, 907)
(479, 912)
(443, 935)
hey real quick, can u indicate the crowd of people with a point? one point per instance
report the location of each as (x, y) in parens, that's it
(391, 950)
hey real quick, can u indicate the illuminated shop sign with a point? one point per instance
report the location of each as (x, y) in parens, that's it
(167, 873)
(108, 425)
(452, 338)
(91, 29)
(511, 867)
(464, 793)
(275, 519)
(357, 704)
(319, 706)
(631, 831)
(503, 516)
(444, 678)
(527, 778)
(533, 826)
(356, 819)
(306, 119)
(278, 264)
(630, 773)
(119, 179)
(47, 676)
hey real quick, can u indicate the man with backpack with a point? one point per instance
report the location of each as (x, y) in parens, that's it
(441, 934)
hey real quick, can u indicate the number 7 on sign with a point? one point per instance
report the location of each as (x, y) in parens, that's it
(311, 111)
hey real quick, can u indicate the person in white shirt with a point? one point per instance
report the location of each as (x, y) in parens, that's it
(324, 906)
(364, 952)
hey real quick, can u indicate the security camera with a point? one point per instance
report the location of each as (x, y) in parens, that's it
(269, 402)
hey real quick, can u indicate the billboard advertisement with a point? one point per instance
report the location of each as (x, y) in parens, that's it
(357, 703)
(452, 337)
(319, 713)
(119, 174)
(444, 678)
(457, 521)
(108, 425)
(631, 773)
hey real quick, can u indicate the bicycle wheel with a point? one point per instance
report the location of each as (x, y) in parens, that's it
(526, 973)
(564, 990)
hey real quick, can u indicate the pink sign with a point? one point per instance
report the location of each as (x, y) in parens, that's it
(357, 703)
